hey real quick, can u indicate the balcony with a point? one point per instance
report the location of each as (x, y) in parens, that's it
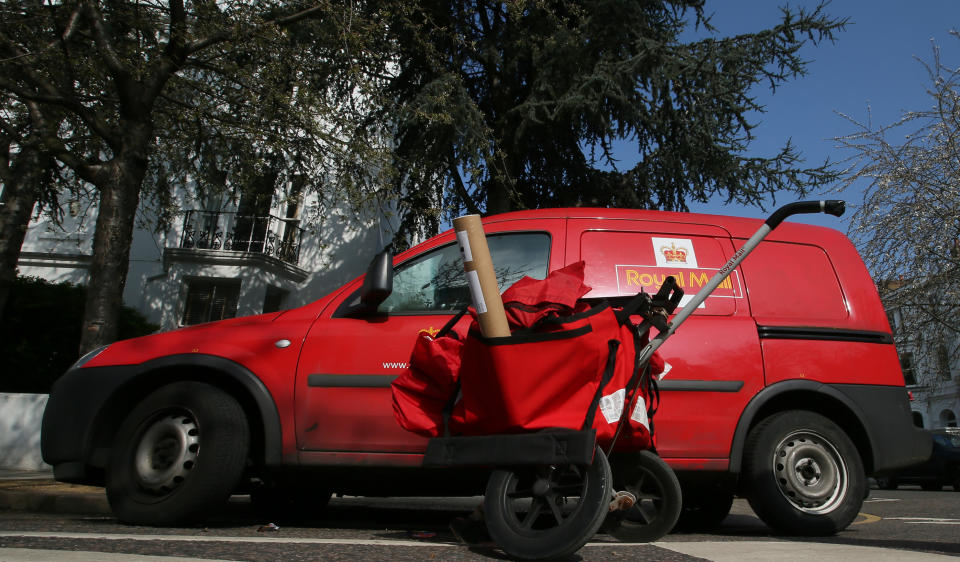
(228, 231)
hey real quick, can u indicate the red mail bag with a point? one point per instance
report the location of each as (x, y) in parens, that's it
(575, 372)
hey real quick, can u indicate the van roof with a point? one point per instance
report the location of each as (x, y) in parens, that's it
(738, 227)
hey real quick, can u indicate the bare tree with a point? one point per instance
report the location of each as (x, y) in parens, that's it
(908, 229)
(136, 78)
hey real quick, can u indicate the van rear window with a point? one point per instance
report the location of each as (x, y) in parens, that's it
(793, 283)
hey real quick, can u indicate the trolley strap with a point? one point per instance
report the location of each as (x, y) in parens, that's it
(612, 345)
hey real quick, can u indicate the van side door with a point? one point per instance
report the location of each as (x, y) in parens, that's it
(343, 396)
(714, 361)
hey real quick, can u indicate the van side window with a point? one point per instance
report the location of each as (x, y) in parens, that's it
(434, 282)
(792, 282)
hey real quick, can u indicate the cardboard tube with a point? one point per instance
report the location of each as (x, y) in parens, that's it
(478, 268)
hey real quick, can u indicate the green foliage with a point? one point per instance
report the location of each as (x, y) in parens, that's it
(520, 104)
(40, 333)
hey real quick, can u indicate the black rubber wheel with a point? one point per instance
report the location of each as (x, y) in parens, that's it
(887, 483)
(803, 474)
(178, 455)
(705, 511)
(289, 504)
(931, 486)
(547, 511)
(658, 496)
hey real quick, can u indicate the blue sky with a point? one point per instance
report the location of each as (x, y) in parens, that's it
(872, 63)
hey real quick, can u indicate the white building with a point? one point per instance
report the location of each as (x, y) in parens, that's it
(218, 259)
(933, 381)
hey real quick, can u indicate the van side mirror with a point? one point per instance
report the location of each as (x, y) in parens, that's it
(378, 283)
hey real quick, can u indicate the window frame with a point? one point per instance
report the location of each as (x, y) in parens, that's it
(216, 283)
(350, 305)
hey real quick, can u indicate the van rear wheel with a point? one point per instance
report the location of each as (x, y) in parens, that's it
(803, 474)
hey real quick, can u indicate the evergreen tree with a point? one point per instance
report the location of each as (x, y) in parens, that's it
(513, 105)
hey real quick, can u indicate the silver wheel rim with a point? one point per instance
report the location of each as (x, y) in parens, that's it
(810, 472)
(167, 452)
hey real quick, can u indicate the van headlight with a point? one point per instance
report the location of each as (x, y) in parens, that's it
(88, 356)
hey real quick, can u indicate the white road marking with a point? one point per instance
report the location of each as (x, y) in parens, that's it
(40, 555)
(716, 551)
(272, 538)
(926, 520)
(767, 551)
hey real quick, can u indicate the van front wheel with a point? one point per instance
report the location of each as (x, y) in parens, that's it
(803, 474)
(178, 455)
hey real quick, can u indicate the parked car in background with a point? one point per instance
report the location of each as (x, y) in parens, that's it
(941, 469)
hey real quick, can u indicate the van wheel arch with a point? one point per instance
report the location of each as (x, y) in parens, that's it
(802, 395)
(261, 412)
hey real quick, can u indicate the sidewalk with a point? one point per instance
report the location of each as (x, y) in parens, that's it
(39, 492)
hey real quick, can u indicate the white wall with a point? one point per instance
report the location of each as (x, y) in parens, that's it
(336, 247)
(20, 417)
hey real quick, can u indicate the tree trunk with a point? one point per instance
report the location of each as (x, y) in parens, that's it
(119, 197)
(16, 206)
(498, 199)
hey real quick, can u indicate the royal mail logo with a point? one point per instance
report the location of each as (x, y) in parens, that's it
(674, 255)
(674, 252)
(632, 278)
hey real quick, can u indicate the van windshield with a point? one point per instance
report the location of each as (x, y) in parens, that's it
(435, 282)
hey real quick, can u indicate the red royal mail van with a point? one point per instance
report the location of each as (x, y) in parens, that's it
(783, 387)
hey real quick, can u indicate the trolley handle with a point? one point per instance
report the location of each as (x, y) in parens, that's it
(833, 207)
(669, 295)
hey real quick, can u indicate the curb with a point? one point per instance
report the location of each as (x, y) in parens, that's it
(48, 496)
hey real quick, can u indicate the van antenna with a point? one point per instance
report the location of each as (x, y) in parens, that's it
(380, 229)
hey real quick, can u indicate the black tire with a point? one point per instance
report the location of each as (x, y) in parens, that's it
(290, 504)
(931, 486)
(658, 495)
(803, 474)
(705, 511)
(547, 511)
(178, 455)
(887, 483)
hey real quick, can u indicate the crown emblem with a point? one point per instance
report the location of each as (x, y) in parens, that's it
(674, 254)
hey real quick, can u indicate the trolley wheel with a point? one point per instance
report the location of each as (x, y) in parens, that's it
(658, 495)
(547, 511)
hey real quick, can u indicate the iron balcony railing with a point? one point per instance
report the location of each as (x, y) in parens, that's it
(217, 230)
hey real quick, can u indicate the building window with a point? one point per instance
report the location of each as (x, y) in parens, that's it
(918, 419)
(273, 301)
(209, 300)
(948, 419)
(943, 362)
(906, 365)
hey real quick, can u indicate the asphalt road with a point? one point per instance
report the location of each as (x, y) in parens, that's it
(893, 525)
